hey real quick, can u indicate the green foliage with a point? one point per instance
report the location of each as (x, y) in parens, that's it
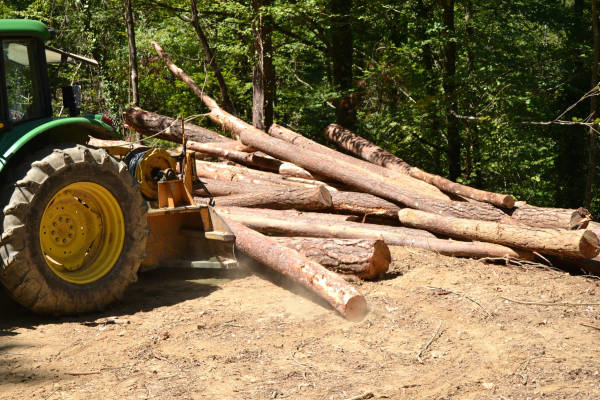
(523, 60)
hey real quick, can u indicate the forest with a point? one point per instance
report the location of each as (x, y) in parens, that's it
(496, 95)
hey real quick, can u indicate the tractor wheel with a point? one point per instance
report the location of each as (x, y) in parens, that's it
(74, 231)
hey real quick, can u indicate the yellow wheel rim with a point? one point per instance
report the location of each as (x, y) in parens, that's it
(82, 232)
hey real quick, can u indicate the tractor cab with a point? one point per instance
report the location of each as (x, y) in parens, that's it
(24, 80)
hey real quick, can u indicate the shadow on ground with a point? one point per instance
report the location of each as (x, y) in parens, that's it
(158, 288)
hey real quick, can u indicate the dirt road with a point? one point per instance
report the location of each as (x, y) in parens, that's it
(438, 328)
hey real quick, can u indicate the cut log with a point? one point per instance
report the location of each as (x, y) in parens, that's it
(249, 159)
(340, 294)
(218, 187)
(297, 139)
(237, 173)
(290, 215)
(368, 259)
(284, 198)
(545, 217)
(232, 145)
(363, 204)
(580, 243)
(349, 174)
(151, 124)
(282, 226)
(114, 147)
(375, 154)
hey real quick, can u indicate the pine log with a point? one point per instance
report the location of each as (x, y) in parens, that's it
(284, 198)
(375, 154)
(151, 124)
(340, 294)
(291, 215)
(545, 217)
(250, 159)
(332, 229)
(218, 187)
(238, 173)
(349, 174)
(363, 204)
(297, 139)
(580, 243)
(232, 145)
(114, 147)
(285, 226)
(368, 259)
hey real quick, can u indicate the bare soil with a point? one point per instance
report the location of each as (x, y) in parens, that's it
(438, 328)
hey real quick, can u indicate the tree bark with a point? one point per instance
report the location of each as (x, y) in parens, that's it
(225, 188)
(545, 217)
(210, 59)
(375, 154)
(581, 243)
(449, 85)
(341, 56)
(591, 174)
(133, 67)
(348, 174)
(310, 199)
(272, 224)
(292, 215)
(251, 159)
(292, 137)
(368, 259)
(363, 204)
(342, 296)
(161, 127)
(239, 173)
(263, 82)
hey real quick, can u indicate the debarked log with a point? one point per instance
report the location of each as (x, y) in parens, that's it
(365, 258)
(580, 243)
(281, 198)
(342, 296)
(375, 154)
(282, 225)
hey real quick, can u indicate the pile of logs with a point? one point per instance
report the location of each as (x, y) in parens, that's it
(316, 207)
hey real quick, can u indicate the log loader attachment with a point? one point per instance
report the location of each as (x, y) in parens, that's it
(79, 220)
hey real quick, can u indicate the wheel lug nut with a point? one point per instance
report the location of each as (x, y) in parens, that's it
(53, 233)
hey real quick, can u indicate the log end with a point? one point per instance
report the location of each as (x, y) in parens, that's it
(589, 245)
(355, 308)
(580, 218)
(379, 263)
(506, 201)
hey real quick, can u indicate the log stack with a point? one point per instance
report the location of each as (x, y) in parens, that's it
(341, 212)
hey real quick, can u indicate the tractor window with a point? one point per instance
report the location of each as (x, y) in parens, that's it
(23, 80)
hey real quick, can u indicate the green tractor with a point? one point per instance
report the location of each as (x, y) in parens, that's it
(75, 226)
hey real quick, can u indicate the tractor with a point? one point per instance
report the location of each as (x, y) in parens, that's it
(78, 221)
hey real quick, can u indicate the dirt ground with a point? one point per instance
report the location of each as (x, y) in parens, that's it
(438, 328)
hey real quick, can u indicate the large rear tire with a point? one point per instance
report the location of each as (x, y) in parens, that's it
(74, 231)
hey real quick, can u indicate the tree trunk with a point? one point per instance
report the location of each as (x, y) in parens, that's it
(368, 259)
(292, 215)
(270, 223)
(263, 82)
(348, 174)
(581, 243)
(341, 56)
(285, 198)
(238, 173)
(589, 184)
(211, 59)
(313, 276)
(545, 217)
(375, 154)
(225, 188)
(449, 85)
(161, 127)
(251, 160)
(292, 137)
(133, 67)
(363, 204)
